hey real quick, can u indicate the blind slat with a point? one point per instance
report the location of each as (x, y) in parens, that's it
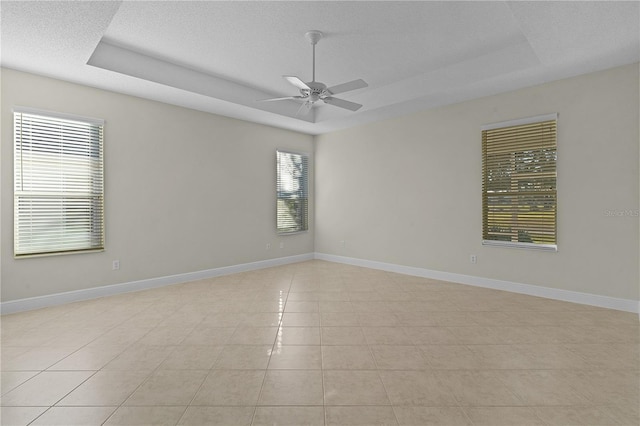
(292, 186)
(519, 183)
(59, 185)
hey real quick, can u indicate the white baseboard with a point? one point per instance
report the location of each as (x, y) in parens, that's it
(627, 305)
(31, 303)
(110, 290)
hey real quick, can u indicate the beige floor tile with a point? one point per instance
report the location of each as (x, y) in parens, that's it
(168, 387)
(335, 306)
(392, 357)
(9, 380)
(624, 415)
(192, 357)
(416, 388)
(244, 357)
(276, 305)
(299, 336)
(552, 357)
(608, 355)
(351, 387)
(477, 388)
(433, 349)
(230, 387)
(213, 336)
(360, 415)
(607, 387)
(121, 336)
(339, 319)
(301, 307)
(622, 333)
(430, 335)
(575, 416)
(8, 353)
(374, 306)
(106, 388)
(542, 387)
(88, 358)
(302, 296)
(347, 358)
(386, 336)
(343, 336)
(261, 319)
(254, 336)
(220, 319)
(39, 358)
(45, 389)
(475, 335)
(301, 319)
(140, 357)
(292, 387)
(378, 319)
(503, 416)
(450, 357)
(156, 416)
(294, 416)
(296, 358)
(438, 318)
(222, 416)
(165, 335)
(364, 296)
(19, 416)
(70, 416)
(430, 416)
(500, 357)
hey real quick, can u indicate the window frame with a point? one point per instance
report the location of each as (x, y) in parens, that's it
(485, 221)
(93, 195)
(304, 227)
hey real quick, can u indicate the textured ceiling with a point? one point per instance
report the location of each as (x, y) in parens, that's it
(221, 57)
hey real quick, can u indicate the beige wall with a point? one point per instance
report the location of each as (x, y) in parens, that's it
(403, 191)
(185, 191)
(407, 191)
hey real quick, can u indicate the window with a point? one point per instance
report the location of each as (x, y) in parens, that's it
(292, 208)
(58, 178)
(519, 199)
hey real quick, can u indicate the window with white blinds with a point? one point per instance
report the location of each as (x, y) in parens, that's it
(519, 198)
(292, 182)
(58, 183)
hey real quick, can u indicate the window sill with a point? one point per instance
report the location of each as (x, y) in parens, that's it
(529, 246)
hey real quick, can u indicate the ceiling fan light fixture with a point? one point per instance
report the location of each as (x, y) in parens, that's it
(314, 91)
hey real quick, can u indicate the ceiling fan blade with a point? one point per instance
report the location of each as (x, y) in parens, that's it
(352, 106)
(305, 108)
(280, 99)
(346, 87)
(296, 82)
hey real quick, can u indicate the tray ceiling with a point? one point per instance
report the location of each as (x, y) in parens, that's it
(221, 57)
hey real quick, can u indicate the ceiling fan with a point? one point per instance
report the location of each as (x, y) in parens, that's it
(314, 91)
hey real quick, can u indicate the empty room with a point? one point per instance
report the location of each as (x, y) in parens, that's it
(320, 213)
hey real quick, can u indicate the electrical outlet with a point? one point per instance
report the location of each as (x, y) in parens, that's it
(473, 258)
(268, 246)
(281, 245)
(342, 244)
(116, 265)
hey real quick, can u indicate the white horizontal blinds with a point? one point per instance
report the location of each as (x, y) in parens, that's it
(58, 194)
(292, 184)
(519, 199)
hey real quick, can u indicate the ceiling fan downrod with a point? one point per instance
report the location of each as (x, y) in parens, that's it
(313, 36)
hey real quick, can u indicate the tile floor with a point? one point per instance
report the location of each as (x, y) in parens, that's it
(320, 343)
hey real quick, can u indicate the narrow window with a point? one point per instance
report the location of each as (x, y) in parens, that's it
(519, 198)
(58, 183)
(292, 209)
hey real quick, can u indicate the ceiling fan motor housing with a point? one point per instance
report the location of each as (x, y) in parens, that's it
(318, 91)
